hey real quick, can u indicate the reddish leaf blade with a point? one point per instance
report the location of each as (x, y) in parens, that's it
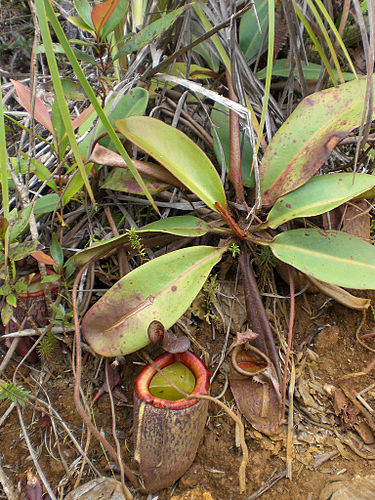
(43, 258)
(41, 114)
(307, 138)
(85, 115)
(101, 13)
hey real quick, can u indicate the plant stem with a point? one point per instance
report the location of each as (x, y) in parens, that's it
(235, 174)
(256, 314)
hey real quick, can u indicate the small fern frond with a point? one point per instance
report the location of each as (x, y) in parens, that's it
(13, 393)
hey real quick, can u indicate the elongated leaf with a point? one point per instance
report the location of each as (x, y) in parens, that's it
(251, 36)
(178, 154)
(41, 114)
(311, 71)
(184, 225)
(56, 251)
(304, 142)
(149, 33)
(331, 256)
(41, 6)
(84, 9)
(116, 18)
(161, 290)
(75, 185)
(101, 13)
(80, 23)
(46, 9)
(320, 194)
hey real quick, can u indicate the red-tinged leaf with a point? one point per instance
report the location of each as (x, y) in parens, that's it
(101, 13)
(4, 224)
(85, 115)
(41, 114)
(307, 138)
(42, 257)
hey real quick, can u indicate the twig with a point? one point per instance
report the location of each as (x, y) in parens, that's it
(125, 489)
(275, 478)
(128, 472)
(290, 334)
(33, 455)
(289, 438)
(7, 485)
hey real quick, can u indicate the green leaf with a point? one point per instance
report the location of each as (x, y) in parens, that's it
(11, 300)
(46, 204)
(178, 154)
(80, 23)
(42, 6)
(161, 290)
(121, 179)
(21, 250)
(133, 102)
(73, 90)
(220, 120)
(84, 10)
(56, 251)
(311, 71)
(75, 185)
(205, 51)
(184, 225)
(307, 138)
(6, 315)
(115, 18)
(46, 9)
(331, 256)
(250, 36)
(51, 278)
(20, 286)
(149, 33)
(101, 14)
(20, 222)
(42, 172)
(320, 194)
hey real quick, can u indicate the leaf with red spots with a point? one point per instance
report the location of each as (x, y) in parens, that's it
(319, 195)
(331, 256)
(41, 114)
(160, 290)
(307, 138)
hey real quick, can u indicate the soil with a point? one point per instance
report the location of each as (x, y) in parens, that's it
(325, 349)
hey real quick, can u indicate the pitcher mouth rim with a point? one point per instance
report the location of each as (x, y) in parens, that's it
(191, 361)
